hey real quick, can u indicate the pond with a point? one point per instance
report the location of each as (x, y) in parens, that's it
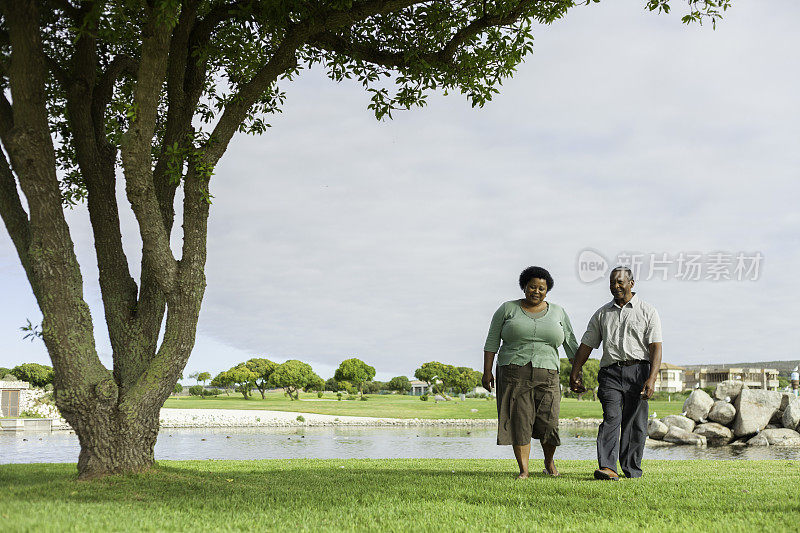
(350, 442)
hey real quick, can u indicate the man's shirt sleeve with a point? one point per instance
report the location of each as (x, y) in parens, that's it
(653, 332)
(593, 336)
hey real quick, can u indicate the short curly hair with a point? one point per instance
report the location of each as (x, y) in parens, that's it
(536, 272)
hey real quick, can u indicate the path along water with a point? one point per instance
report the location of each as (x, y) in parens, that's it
(350, 443)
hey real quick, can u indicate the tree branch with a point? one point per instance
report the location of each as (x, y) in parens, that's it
(16, 220)
(103, 93)
(136, 150)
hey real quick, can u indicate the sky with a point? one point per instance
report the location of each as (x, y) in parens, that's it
(624, 136)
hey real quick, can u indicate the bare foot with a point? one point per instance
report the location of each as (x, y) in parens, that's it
(550, 470)
(523, 475)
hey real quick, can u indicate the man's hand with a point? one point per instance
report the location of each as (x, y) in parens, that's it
(576, 383)
(488, 381)
(648, 389)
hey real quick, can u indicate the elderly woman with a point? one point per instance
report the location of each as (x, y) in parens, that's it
(528, 394)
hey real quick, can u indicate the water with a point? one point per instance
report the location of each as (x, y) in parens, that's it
(353, 442)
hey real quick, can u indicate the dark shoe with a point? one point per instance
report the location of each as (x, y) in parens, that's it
(606, 476)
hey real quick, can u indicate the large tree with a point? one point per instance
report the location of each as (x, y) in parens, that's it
(153, 91)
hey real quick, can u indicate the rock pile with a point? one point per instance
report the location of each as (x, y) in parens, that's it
(736, 415)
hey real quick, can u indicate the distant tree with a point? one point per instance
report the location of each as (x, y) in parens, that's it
(465, 379)
(34, 373)
(202, 377)
(4, 371)
(196, 390)
(332, 385)
(430, 372)
(355, 371)
(223, 380)
(292, 376)
(783, 381)
(315, 384)
(178, 388)
(243, 378)
(263, 369)
(400, 384)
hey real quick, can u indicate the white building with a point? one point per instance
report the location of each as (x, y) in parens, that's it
(670, 378)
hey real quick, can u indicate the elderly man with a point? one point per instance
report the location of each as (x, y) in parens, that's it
(630, 331)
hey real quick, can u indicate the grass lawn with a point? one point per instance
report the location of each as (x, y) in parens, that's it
(402, 495)
(392, 405)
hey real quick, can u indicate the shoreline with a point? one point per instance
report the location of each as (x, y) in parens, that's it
(215, 418)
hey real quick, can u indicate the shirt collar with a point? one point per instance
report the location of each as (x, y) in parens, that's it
(631, 303)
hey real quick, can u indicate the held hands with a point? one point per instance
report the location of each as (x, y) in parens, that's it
(576, 382)
(488, 381)
(648, 389)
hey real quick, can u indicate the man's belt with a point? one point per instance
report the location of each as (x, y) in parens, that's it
(630, 362)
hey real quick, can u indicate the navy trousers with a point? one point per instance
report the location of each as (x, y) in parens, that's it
(623, 432)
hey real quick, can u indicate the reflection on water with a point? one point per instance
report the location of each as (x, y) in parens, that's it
(353, 442)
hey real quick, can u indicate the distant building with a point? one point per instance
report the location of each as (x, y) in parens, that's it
(12, 394)
(754, 378)
(670, 378)
(419, 388)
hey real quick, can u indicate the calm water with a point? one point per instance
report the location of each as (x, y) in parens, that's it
(360, 442)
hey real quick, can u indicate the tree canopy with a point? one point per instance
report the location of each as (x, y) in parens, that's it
(153, 91)
(355, 371)
(292, 376)
(263, 369)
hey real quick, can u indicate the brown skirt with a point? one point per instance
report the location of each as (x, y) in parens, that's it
(528, 404)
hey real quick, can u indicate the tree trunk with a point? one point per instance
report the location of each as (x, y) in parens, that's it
(114, 442)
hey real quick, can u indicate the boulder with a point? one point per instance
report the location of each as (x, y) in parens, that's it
(791, 415)
(656, 429)
(754, 409)
(681, 436)
(722, 412)
(729, 390)
(697, 405)
(686, 424)
(777, 418)
(715, 434)
(775, 437)
(439, 398)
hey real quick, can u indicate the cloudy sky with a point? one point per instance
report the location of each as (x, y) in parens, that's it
(625, 132)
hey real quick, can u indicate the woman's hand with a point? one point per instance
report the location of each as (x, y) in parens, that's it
(488, 381)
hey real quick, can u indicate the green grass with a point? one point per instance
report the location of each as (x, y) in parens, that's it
(393, 406)
(402, 495)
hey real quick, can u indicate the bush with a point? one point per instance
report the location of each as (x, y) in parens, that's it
(320, 394)
(212, 392)
(339, 396)
(364, 398)
(196, 390)
(424, 398)
(178, 388)
(30, 414)
(34, 373)
(301, 418)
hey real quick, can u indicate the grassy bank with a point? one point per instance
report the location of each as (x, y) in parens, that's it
(402, 495)
(392, 405)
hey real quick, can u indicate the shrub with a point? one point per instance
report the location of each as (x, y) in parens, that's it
(30, 414)
(339, 396)
(301, 418)
(212, 392)
(320, 394)
(424, 398)
(364, 398)
(196, 390)
(34, 373)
